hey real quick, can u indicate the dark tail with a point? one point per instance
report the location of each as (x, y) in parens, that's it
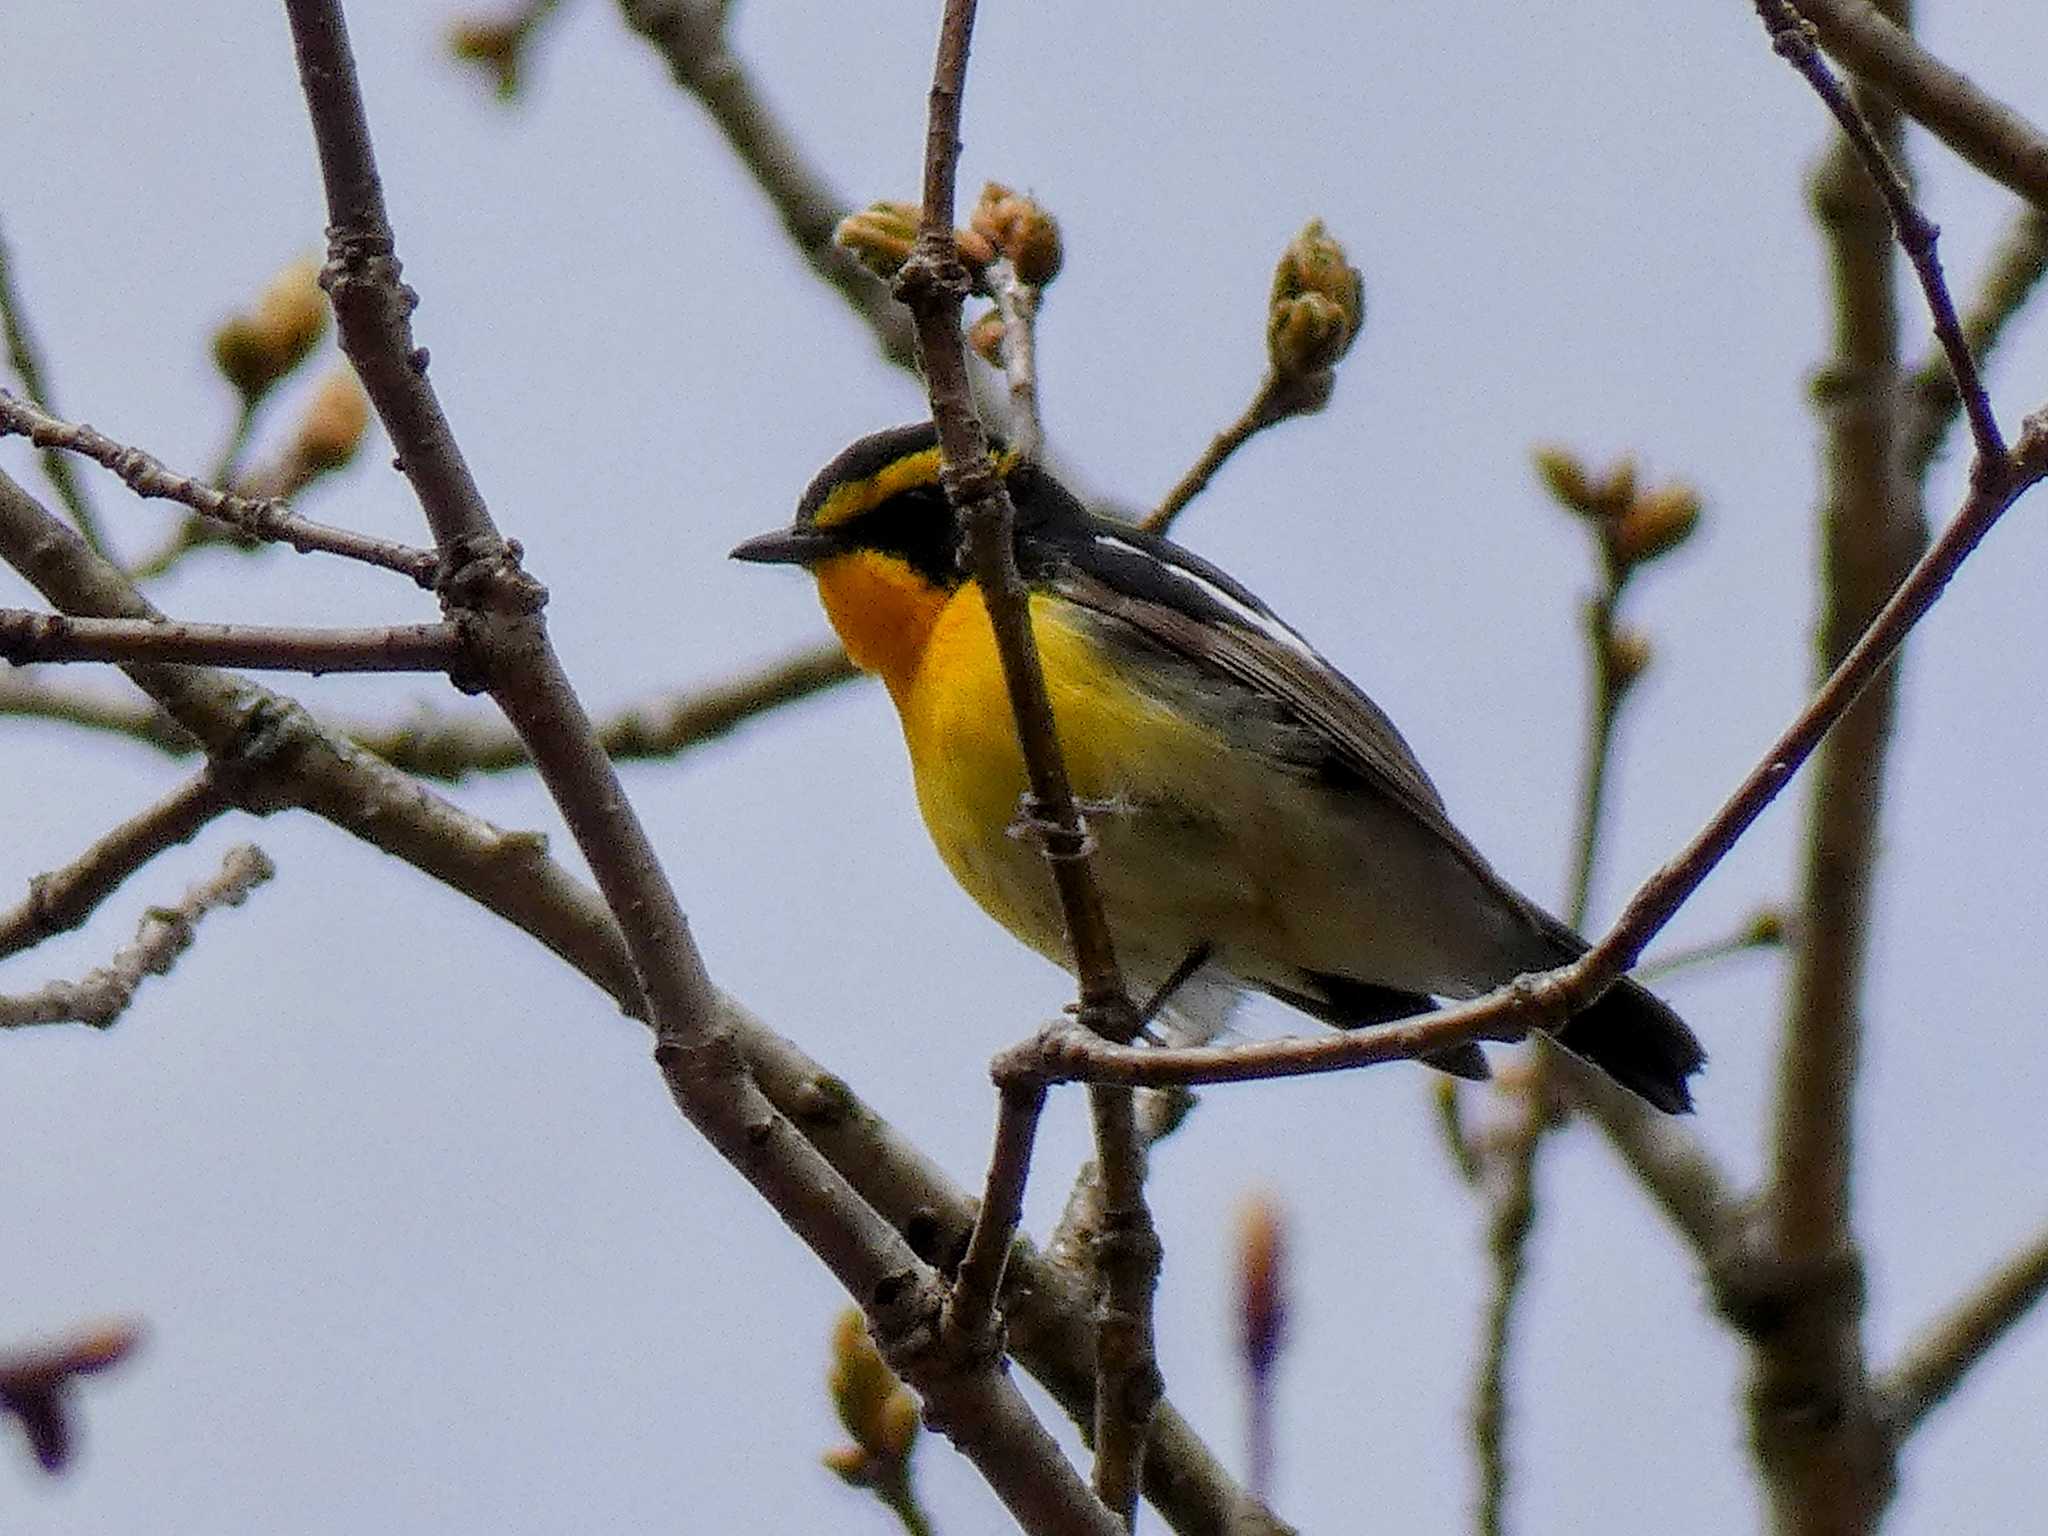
(1636, 1040)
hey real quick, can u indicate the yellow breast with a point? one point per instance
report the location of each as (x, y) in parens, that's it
(936, 652)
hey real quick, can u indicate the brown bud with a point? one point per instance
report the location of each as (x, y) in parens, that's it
(493, 44)
(1615, 491)
(1020, 229)
(975, 248)
(876, 1408)
(1565, 477)
(1629, 654)
(1766, 926)
(1262, 1280)
(332, 429)
(256, 347)
(899, 1425)
(1317, 305)
(103, 1344)
(850, 1464)
(879, 236)
(1654, 523)
(985, 339)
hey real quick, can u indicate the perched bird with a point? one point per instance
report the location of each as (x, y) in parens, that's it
(1253, 809)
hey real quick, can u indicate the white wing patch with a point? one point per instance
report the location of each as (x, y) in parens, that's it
(1261, 623)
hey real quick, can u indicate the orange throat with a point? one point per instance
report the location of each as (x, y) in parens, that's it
(884, 612)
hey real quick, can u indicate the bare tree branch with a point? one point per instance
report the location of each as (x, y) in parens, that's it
(971, 1309)
(25, 358)
(277, 757)
(26, 637)
(439, 745)
(1986, 132)
(663, 726)
(691, 36)
(2016, 267)
(1674, 1167)
(166, 933)
(262, 518)
(975, 1403)
(1765, 928)
(1268, 408)
(1047, 1307)
(1935, 1363)
(64, 898)
(1507, 1173)
(36, 1385)
(933, 283)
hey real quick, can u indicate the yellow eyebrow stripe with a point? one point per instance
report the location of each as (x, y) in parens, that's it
(848, 501)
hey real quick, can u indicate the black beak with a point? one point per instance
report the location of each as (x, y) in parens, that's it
(787, 546)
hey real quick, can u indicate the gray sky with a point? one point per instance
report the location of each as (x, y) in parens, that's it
(422, 1244)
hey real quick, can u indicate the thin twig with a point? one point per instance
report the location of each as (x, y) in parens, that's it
(64, 898)
(691, 36)
(27, 696)
(1936, 1362)
(1268, 407)
(258, 519)
(1765, 928)
(978, 1406)
(2017, 265)
(166, 933)
(970, 1309)
(439, 745)
(1917, 234)
(36, 1384)
(1017, 306)
(26, 636)
(25, 358)
(1872, 528)
(933, 283)
(277, 756)
(1509, 1178)
(1047, 1305)
(1696, 1195)
(1986, 132)
(1508, 1156)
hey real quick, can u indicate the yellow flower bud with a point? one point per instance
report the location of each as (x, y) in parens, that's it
(850, 1464)
(1765, 927)
(256, 347)
(1654, 523)
(879, 236)
(492, 44)
(1565, 477)
(985, 339)
(1020, 229)
(332, 429)
(1616, 490)
(975, 248)
(899, 1424)
(1262, 1280)
(1629, 653)
(1317, 305)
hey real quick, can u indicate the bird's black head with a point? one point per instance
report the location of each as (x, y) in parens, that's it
(883, 495)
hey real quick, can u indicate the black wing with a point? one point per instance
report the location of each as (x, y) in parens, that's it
(1180, 601)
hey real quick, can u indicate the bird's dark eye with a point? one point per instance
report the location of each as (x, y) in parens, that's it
(918, 527)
